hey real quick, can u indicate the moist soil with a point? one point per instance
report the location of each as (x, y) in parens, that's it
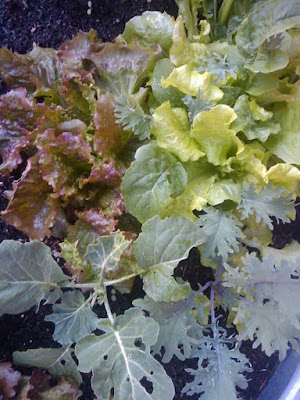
(48, 23)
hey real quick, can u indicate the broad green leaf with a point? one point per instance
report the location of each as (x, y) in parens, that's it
(105, 254)
(249, 164)
(162, 70)
(189, 81)
(154, 177)
(222, 230)
(286, 92)
(201, 177)
(269, 314)
(224, 189)
(73, 318)
(88, 229)
(178, 323)
(284, 175)
(57, 361)
(160, 285)
(261, 83)
(171, 128)
(211, 129)
(265, 204)
(159, 248)
(222, 372)
(28, 275)
(260, 39)
(286, 144)
(120, 359)
(149, 28)
(257, 233)
(254, 121)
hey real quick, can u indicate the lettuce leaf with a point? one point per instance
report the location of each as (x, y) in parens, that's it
(286, 144)
(200, 178)
(123, 68)
(284, 175)
(189, 81)
(261, 37)
(152, 179)
(183, 51)
(31, 209)
(148, 28)
(162, 70)
(254, 121)
(172, 131)
(211, 130)
(16, 122)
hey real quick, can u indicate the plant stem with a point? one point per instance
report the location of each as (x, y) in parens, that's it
(224, 11)
(115, 281)
(215, 10)
(82, 285)
(207, 285)
(108, 310)
(94, 285)
(215, 328)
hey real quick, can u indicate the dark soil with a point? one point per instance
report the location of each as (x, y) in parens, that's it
(49, 23)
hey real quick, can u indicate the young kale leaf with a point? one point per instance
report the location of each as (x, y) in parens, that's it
(179, 323)
(223, 370)
(267, 313)
(268, 202)
(132, 117)
(196, 105)
(222, 230)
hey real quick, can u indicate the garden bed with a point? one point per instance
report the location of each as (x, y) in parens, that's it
(48, 23)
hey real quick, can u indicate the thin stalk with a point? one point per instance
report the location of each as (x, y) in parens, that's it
(207, 285)
(214, 326)
(108, 310)
(82, 285)
(94, 285)
(115, 281)
(225, 11)
(215, 10)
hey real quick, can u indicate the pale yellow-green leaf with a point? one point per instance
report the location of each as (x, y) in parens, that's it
(224, 189)
(172, 130)
(189, 81)
(285, 175)
(182, 51)
(211, 130)
(286, 144)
